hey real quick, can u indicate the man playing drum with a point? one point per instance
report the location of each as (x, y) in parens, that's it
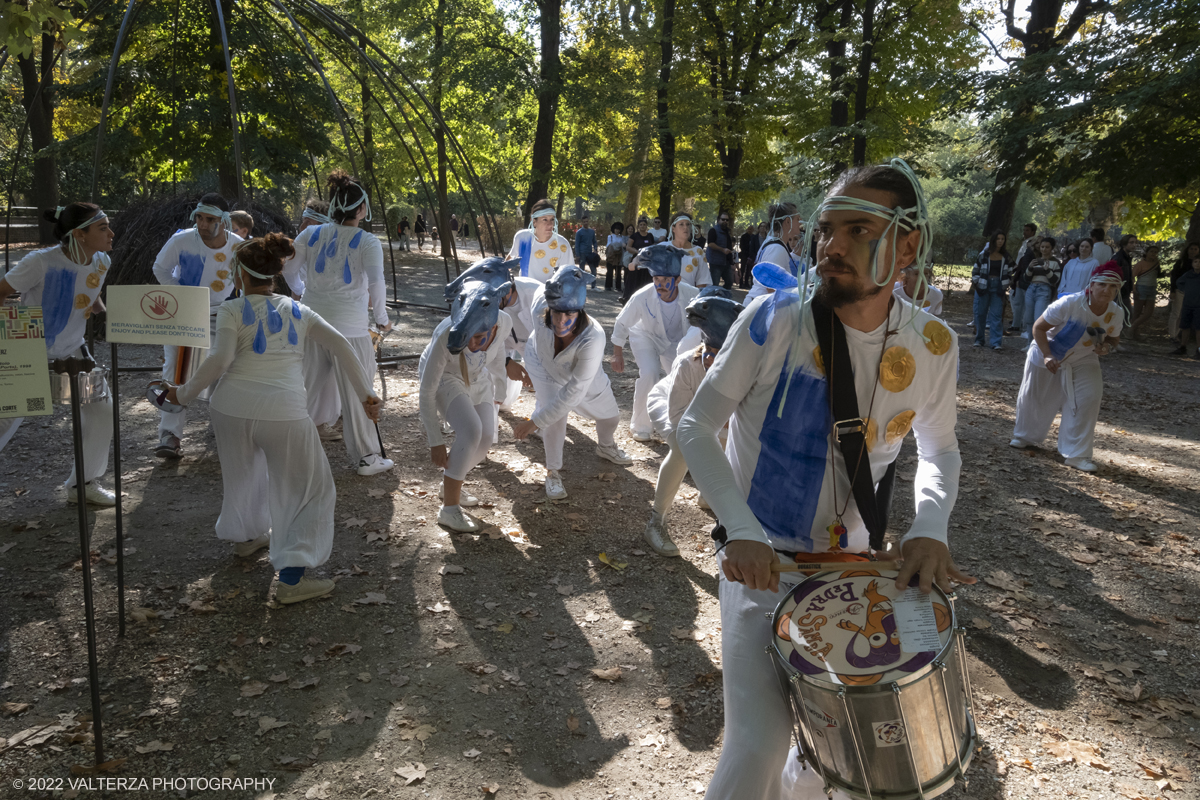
(785, 491)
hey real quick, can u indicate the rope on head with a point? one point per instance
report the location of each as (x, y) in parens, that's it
(336, 204)
(915, 218)
(544, 212)
(73, 246)
(316, 216)
(213, 211)
(240, 267)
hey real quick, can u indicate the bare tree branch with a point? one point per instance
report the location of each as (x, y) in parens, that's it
(995, 49)
(1083, 10)
(1011, 25)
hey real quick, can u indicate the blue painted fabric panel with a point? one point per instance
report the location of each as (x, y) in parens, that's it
(58, 301)
(191, 269)
(1066, 338)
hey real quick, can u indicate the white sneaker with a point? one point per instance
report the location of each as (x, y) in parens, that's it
(94, 494)
(247, 549)
(642, 436)
(328, 433)
(610, 452)
(307, 589)
(1020, 444)
(658, 538)
(464, 499)
(1081, 464)
(554, 485)
(454, 518)
(374, 464)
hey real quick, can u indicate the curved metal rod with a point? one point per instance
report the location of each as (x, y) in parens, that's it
(473, 178)
(174, 96)
(233, 108)
(108, 88)
(324, 79)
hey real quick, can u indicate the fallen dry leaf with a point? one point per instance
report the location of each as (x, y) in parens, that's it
(617, 565)
(269, 724)
(688, 633)
(253, 688)
(1075, 750)
(13, 709)
(304, 683)
(442, 644)
(472, 753)
(411, 772)
(451, 569)
(155, 746)
(490, 788)
(610, 674)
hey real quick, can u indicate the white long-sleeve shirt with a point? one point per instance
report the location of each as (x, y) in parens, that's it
(185, 260)
(573, 370)
(267, 385)
(66, 291)
(774, 252)
(441, 374)
(671, 396)
(777, 486)
(338, 269)
(644, 313)
(932, 302)
(540, 260)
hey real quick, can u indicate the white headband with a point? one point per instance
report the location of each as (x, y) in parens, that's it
(316, 216)
(212, 211)
(336, 206)
(543, 212)
(73, 246)
(239, 265)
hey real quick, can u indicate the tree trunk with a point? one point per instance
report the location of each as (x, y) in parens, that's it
(1000, 210)
(222, 121)
(1193, 231)
(863, 83)
(637, 168)
(548, 91)
(40, 110)
(666, 137)
(839, 109)
(443, 215)
(368, 138)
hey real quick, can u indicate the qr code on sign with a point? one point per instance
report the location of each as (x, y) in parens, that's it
(35, 404)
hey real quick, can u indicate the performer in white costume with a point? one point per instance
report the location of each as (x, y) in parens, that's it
(785, 486)
(1062, 368)
(198, 256)
(670, 397)
(540, 248)
(564, 357)
(458, 373)
(652, 323)
(693, 266)
(65, 280)
(917, 292)
(786, 231)
(338, 270)
(278, 489)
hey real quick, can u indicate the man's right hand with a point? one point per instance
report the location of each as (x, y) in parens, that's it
(439, 456)
(618, 360)
(749, 562)
(1052, 364)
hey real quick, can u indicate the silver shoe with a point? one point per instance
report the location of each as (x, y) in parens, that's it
(658, 538)
(554, 485)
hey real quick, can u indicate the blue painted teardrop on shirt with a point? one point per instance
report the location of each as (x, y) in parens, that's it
(247, 312)
(260, 340)
(191, 269)
(320, 265)
(331, 248)
(293, 339)
(58, 301)
(354, 241)
(312, 237)
(274, 321)
(295, 309)
(524, 250)
(346, 276)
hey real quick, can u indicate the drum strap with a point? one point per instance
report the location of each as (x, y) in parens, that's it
(874, 503)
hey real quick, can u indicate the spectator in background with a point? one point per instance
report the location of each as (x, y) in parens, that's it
(990, 277)
(748, 247)
(402, 229)
(419, 230)
(658, 231)
(614, 256)
(1190, 253)
(719, 250)
(1020, 281)
(1044, 272)
(1189, 314)
(928, 299)
(586, 253)
(1100, 251)
(1145, 286)
(635, 277)
(453, 225)
(1124, 259)
(1028, 242)
(1071, 250)
(242, 223)
(1078, 271)
(465, 230)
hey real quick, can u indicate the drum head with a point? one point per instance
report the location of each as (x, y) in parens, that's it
(838, 627)
(156, 393)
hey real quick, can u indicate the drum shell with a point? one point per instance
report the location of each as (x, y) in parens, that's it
(93, 387)
(940, 730)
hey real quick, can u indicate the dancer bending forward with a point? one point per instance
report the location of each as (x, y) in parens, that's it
(278, 487)
(1062, 368)
(457, 373)
(564, 356)
(671, 396)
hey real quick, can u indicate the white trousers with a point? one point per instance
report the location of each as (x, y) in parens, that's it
(474, 428)
(95, 420)
(1076, 391)
(598, 404)
(652, 366)
(321, 374)
(174, 423)
(758, 761)
(670, 476)
(276, 479)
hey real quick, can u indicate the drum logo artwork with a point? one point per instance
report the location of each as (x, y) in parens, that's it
(841, 627)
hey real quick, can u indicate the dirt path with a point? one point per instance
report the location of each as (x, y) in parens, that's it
(492, 660)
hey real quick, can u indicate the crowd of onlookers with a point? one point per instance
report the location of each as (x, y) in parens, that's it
(1033, 274)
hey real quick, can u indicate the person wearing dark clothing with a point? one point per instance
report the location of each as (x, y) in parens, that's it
(1124, 259)
(637, 277)
(1190, 254)
(719, 250)
(402, 229)
(990, 278)
(748, 246)
(1189, 316)
(586, 253)
(419, 229)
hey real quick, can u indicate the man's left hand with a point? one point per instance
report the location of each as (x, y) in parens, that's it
(930, 559)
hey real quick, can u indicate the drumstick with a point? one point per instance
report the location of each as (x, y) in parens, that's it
(831, 566)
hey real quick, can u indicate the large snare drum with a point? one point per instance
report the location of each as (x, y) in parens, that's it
(879, 717)
(92, 387)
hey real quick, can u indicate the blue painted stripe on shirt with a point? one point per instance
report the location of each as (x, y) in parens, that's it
(524, 250)
(58, 301)
(191, 269)
(786, 486)
(1066, 337)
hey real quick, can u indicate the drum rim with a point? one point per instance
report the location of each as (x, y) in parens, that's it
(874, 688)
